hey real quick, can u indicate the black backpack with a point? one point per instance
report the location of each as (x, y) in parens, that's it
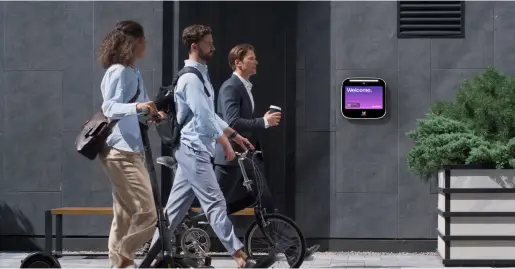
(169, 129)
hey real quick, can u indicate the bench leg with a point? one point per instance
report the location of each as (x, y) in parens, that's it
(59, 234)
(48, 232)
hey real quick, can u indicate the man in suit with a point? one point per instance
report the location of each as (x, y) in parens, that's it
(236, 107)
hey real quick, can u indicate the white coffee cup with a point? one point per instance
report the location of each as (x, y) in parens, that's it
(273, 109)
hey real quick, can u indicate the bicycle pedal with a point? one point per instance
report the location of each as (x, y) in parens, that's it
(203, 223)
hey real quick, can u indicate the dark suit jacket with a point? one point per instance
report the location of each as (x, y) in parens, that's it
(235, 108)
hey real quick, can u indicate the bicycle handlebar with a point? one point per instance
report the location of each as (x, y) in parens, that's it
(241, 156)
(246, 152)
(156, 118)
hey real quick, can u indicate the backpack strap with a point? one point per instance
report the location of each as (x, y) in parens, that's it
(191, 69)
(165, 96)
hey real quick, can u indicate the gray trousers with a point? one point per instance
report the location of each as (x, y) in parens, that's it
(195, 177)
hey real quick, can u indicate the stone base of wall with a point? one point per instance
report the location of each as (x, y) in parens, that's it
(20, 244)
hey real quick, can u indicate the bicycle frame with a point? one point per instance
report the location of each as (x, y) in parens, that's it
(259, 211)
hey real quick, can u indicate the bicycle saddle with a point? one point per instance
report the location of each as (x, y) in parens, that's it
(166, 161)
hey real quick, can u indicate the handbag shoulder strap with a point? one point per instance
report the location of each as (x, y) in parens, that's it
(133, 99)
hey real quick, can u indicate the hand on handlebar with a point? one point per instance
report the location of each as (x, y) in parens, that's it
(243, 142)
(159, 117)
(149, 108)
(153, 116)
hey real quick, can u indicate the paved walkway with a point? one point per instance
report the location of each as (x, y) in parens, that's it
(320, 260)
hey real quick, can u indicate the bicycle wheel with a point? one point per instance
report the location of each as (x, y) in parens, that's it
(40, 260)
(286, 237)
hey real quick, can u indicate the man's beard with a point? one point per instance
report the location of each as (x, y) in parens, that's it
(205, 56)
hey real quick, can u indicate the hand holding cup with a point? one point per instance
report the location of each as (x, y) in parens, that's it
(273, 115)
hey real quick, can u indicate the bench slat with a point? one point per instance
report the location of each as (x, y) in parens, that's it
(109, 211)
(83, 211)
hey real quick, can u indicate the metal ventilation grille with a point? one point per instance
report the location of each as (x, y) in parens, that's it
(426, 19)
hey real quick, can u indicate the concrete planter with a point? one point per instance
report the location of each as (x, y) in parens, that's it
(476, 216)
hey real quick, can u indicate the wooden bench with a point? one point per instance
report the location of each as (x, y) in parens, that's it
(59, 212)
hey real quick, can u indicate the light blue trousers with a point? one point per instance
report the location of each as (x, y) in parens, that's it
(195, 177)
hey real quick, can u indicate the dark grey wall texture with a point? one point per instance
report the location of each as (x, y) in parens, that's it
(49, 85)
(352, 183)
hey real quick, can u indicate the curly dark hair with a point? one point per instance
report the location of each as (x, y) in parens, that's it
(238, 52)
(119, 46)
(193, 34)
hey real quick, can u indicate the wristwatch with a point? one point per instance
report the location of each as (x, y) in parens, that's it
(232, 136)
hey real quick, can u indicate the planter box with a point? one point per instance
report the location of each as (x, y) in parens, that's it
(476, 216)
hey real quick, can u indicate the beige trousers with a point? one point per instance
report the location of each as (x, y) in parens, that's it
(135, 216)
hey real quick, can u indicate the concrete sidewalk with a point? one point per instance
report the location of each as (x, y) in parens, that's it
(320, 260)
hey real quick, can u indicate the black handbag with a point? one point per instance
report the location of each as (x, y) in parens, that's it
(90, 141)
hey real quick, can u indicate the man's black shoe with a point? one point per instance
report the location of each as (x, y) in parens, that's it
(311, 250)
(264, 262)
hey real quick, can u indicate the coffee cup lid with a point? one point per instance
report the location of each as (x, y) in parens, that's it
(275, 107)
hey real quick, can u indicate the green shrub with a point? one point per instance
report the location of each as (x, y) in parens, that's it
(478, 127)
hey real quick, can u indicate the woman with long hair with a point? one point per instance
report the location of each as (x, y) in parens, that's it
(124, 97)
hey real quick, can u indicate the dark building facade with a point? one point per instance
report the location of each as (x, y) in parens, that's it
(346, 183)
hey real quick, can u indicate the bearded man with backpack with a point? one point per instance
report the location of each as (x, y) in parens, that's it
(196, 129)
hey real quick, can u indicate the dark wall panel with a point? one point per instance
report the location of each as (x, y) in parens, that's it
(265, 25)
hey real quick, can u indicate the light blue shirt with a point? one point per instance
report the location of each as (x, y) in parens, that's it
(119, 86)
(202, 125)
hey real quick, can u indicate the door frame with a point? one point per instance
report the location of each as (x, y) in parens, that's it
(175, 16)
